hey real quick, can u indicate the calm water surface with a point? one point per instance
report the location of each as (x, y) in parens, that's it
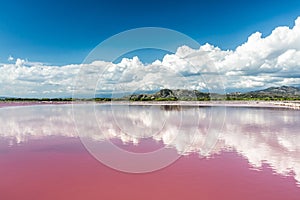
(237, 153)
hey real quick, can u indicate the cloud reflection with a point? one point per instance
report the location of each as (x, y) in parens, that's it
(260, 135)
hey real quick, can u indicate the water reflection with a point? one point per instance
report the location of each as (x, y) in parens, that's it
(260, 135)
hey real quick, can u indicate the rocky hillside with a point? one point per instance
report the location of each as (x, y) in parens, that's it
(171, 95)
(280, 91)
(272, 93)
(283, 92)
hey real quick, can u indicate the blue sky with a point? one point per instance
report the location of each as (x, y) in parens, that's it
(250, 44)
(62, 32)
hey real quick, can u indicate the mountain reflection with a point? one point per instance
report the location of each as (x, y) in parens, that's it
(260, 135)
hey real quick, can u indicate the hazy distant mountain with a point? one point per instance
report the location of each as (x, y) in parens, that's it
(284, 92)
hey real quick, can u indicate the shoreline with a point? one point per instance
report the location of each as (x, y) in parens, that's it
(31, 103)
(267, 104)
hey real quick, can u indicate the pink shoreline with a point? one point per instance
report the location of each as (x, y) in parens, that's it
(30, 103)
(262, 104)
(266, 104)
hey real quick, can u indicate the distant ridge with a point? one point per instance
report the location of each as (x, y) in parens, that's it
(272, 93)
(282, 92)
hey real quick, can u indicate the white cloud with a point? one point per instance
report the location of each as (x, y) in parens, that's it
(10, 58)
(35, 80)
(19, 62)
(260, 62)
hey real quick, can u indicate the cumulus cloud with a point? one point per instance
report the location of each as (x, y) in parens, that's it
(19, 62)
(10, 58)
(260, 62)
(36, 80)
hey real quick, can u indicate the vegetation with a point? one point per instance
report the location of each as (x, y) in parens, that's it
(35, 99)
(283, 93)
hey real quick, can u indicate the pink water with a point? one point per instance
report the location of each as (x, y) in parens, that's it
(45, 166)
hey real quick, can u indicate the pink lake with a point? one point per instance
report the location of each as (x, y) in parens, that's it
(54, 152)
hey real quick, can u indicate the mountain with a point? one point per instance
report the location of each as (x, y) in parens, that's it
(283, 92)
(171, 95)
(280, 91)
(272, 93)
